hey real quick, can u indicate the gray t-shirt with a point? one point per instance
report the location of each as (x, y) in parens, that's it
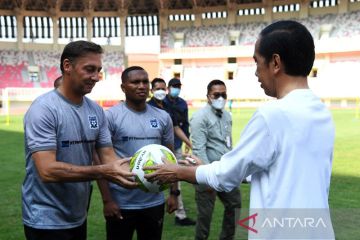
(130, 131)
(73, 131)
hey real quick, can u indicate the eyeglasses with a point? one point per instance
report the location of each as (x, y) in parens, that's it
(217, 95)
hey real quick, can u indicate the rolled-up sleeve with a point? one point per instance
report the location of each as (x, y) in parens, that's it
(40, 128)
(255, 152)
(168, 133)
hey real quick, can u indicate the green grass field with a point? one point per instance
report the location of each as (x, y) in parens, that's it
(344, 192)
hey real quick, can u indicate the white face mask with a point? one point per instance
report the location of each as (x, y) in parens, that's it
(219, 103)
(160, 94)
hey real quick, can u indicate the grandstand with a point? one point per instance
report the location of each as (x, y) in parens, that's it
(197, 40)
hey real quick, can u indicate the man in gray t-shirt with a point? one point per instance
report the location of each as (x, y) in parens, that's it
(130, 131)
(135, 124)
(62, 130)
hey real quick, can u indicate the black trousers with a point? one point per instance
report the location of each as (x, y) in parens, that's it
(205, 202)
(147, 222)
(78, 233)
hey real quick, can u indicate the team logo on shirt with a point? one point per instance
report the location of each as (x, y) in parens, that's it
(93, 122)
(154, 123)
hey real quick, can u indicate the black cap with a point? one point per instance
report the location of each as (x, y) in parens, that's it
(173, 82)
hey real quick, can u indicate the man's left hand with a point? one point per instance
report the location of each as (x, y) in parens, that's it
(171, 204)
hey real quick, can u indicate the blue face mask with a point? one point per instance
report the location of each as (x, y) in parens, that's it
(174, 92)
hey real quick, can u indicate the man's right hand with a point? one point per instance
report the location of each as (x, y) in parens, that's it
(119, 172)
(112, 210)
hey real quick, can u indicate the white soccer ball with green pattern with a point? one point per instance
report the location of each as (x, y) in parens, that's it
(150, 155)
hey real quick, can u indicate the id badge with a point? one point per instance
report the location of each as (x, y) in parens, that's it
(228, 141)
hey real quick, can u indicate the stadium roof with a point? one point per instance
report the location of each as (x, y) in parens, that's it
(130, 6)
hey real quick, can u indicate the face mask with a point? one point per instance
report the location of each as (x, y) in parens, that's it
(160, 94)
(219, 103)
(174, 92)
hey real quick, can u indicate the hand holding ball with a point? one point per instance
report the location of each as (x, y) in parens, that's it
(147, 156)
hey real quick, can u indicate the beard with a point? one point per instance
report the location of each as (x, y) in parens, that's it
(84, 88)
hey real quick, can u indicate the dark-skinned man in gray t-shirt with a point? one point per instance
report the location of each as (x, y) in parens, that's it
(134, 124)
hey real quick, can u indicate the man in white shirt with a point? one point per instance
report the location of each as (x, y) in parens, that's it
(287, 145)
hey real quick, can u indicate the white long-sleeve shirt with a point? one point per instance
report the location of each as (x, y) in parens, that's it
(287, 147)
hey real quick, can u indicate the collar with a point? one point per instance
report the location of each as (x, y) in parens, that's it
(155, 101)
(171, 99)
(217, 112)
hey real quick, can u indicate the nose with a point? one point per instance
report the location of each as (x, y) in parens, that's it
(143, 85)
(256, 73)
(96, 77)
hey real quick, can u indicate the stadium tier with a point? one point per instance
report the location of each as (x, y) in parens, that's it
(41, 68)
(328, 25)
(196, 41)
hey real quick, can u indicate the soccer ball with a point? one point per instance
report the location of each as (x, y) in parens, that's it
(148, 156)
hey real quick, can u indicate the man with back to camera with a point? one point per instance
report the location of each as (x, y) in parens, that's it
(211, 136)
(287, 146)
(62, 129)
(134, 124)
(179, 108)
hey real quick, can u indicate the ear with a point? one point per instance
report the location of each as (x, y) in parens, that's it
(67, 65)
(276, 63)
(122, 87)
(208, 98)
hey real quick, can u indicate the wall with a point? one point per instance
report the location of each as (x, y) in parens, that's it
(150, 62)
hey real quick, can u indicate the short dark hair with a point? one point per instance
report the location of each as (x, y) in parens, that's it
(77, 49)
(213, 83)
(157, 80)
(125, 73)
(294, 44)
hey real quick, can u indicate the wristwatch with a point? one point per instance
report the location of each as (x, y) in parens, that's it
(175, 192)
